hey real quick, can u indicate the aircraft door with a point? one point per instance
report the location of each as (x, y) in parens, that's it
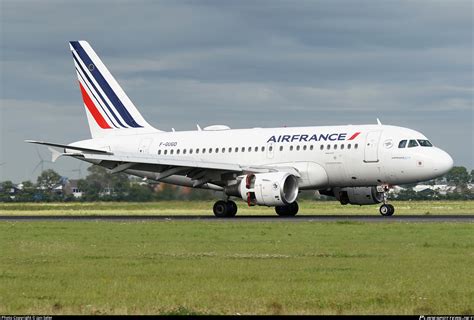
(371, 153)
(270, 150)
(144, 145)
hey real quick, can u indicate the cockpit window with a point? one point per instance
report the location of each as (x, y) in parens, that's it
(412, 144)
(424, 143)
(402, 144)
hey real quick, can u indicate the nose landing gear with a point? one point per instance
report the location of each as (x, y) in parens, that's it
(386, 209)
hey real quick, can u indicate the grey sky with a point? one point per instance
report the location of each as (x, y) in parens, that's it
(240, 63)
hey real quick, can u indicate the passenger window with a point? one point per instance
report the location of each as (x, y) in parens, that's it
(184, 151)
(230, 149)
(171, 151)
(210, 150)
(356, 146)
(243, 149)
(335, 147)
(304, 147)
(223, 150)
(281, 148)
(190, 151)
(412, 144)
(349, 146)
(250, 149)
(311, 147)
(328, 147)
(291, 148)
(177, 151)
(217, 150)
(298, 148)
(270, 148)
(262, 148)
(166, 151)
(402, 144)
(203, 150)
(236, 149)
(342, 146)
(159, 151)
(197, 150)
(256, 149)
(322, 147)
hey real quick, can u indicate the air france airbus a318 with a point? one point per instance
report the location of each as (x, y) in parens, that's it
(356, 164)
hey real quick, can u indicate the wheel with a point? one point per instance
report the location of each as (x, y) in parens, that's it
(220, 209)
(231, 208)
(392, 209)
(386, 209)
(289, 210)
(294, 208)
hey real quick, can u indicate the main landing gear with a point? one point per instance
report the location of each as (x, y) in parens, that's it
(289, 210)
(386, 209)
(225, 208)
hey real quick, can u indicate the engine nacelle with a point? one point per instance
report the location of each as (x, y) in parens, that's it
(266, 189)
(358, 195)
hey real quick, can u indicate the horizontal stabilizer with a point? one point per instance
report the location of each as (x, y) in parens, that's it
(65, 146)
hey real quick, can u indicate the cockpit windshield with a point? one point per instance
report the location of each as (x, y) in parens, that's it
(412, 143)
(424, 143)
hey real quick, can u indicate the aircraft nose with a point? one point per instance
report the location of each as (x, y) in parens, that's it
(443, 162)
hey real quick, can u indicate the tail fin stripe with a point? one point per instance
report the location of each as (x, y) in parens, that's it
(97, 91)
(105, 85)
(95, 97)
(93, 110)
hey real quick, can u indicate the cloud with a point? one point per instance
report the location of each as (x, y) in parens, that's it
(246, 64)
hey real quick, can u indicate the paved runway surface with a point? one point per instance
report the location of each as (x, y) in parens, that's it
(302, 218)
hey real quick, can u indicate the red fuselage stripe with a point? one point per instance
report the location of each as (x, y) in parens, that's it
(354, 136)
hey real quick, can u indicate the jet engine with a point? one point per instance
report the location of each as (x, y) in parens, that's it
(358, 195)
(266, 189)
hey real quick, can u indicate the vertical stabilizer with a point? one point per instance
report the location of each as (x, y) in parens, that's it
(109, 110)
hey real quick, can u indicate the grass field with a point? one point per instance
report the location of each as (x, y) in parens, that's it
(205, 208)
(230, 267)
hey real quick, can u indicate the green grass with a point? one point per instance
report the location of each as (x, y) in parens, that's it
(227, 267)
(205, 208)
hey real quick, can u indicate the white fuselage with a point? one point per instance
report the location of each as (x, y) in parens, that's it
(328, 156)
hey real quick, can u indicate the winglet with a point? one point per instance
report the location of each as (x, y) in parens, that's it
(378, 122)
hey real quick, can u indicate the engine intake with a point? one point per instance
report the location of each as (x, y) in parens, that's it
(266, 189)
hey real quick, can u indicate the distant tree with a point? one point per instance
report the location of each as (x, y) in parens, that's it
(27, 192)
(472, 176)
(140, 193)
(47, 180)
(458, 176)
(5, 190)
(99, 183)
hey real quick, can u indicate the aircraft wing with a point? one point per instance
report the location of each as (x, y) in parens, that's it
(198, 170)
(124, 161)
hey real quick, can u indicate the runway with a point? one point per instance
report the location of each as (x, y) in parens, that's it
(302, 218)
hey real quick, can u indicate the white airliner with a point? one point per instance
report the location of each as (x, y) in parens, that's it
(356, 164)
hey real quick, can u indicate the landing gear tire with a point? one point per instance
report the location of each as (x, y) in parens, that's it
(224, 209)
(289, 210)
(387, 209)
(231, 208)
